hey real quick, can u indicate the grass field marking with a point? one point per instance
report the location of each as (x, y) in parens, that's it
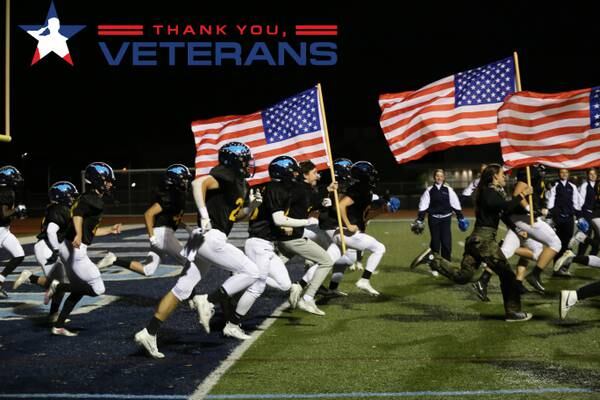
(93, 396)
(396, 394)
(206, 386)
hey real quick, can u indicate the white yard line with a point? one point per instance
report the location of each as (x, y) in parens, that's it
(209, 383)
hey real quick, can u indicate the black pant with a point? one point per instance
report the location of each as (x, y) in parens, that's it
(441, 236)
(564, 230)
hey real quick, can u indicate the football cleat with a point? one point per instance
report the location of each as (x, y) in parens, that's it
(148, 342)
(310, 307)
(233, 330)
(23, 277)
(205, 310)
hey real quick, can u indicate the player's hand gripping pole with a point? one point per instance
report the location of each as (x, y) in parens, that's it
(330, 162)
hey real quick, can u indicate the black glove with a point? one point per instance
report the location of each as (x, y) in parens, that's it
(417, 227)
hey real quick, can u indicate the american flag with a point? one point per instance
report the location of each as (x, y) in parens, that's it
(561, 130)
(293, 127)
(458, 110)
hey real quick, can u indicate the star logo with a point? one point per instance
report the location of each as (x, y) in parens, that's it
(52, 36)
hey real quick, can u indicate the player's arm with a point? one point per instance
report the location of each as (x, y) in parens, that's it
(78, 225)
(199, 188)
(344, 204)
(107, 230)
(149, 215)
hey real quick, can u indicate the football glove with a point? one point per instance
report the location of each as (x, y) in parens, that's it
(463, 224)
(417, 227)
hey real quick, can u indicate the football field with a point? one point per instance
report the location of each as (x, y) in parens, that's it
(424, 337)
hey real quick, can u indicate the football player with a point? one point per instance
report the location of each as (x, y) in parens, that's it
(50, 242)
(220, 199)
(10, 179)
(84, 276)
(162, 219)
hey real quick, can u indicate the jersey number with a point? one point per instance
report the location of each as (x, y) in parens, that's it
(239, 203)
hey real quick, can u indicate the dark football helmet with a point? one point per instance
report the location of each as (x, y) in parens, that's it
(341, 169)
(365, 173)
(98, 175)
(178, 176)
(284, 168)
(238, 157)
(10, 177)
(63, 192)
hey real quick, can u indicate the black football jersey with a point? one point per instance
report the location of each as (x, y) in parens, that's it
(225, 202)
(276, 197)
(305, 198)
(90, 207)
(172, 202)
(59, 214)
(7, 198)
(362, 196)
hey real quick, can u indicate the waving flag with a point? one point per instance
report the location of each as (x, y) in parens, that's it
(458, 110)
(561, 130)
(293, 127)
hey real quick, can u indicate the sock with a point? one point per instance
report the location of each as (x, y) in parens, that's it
(591, 290)
(333, 285)
(537, 271)
(583, 260)
(485, 277)
(34, 279)
(235, 318)
(220, 296)
(67, 308)
(366, 274)
(122, 262)
(302, 283)
(307, 297)
(153, 326)
(56, 300)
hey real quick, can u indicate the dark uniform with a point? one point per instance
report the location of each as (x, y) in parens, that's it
(481, 246)
(304, 199)
(590, 210)
(276, 197)
(60, 215)
(224, 203)
(565, 206)
(7, 198)
(172, 203)
(439, 203)
(90, 207)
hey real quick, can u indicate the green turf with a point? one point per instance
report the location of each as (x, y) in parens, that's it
(424, 334)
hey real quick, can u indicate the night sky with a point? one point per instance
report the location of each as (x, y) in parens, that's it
(139, 117)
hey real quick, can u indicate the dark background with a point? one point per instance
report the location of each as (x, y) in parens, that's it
(64, 117)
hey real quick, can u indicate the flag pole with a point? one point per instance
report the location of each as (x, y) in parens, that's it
(331, 170)
(518, 83)
(5, 137)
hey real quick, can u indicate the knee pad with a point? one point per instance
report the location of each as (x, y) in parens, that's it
(555, 243)
(379, 248)
(186, 283)
(98, 287)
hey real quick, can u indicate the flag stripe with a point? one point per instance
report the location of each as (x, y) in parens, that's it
(553, 129)
(292, 127)
(458, 110)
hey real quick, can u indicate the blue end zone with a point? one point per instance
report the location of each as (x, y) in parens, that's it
(103, 359)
